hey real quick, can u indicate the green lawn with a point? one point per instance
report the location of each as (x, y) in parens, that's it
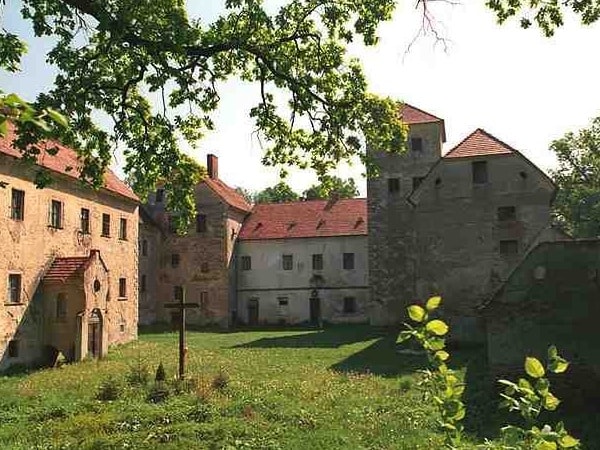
(340, 388)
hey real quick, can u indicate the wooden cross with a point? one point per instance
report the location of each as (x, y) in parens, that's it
(181, 305)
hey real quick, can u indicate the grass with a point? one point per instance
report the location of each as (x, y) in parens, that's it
(338, 388)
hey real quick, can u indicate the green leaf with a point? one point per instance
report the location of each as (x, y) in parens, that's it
(567, 441)
(552, 352)
(442, 355)
(433, 303)
(558, 365)
(416, 313)
(545, 445)
(551, 402)
(534, 368)
(3, 128)
(437, 327)
(58, 117)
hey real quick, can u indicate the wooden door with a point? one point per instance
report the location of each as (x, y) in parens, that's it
(253, 311)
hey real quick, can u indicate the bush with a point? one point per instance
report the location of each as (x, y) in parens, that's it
(201, 412)
(138, 375)
(158, 393)
(220, 381)
(110, 389)
(160, 374)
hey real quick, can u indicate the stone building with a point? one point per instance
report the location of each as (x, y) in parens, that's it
(551, 298)
(68, 261)
(455, 224)
(303, 262)
(201, 260)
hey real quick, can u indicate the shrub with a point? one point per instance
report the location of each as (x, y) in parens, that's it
(201, 412)
(138, 375)
(159, 392)
(109, 389)
(160, 373)
(220, 381)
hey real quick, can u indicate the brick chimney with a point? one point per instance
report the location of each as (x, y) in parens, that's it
(212, 164)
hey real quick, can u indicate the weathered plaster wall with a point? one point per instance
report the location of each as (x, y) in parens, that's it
(28, 248)
(267, 281)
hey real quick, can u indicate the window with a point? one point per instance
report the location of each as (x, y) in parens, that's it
(123, 229)
(144, 247)
(349, 305)
(13, 349)
(203, 302)
(283, 301)
(416, 181)
(178, 293)
(106, 225)
(287, 262)
(317, 261)
(84, 219)
(172, 224)
(509, 247)
(143, 283)
(14, 288)
(201, 223)
(393, 185)
(479, 172)
(416, 144)
(507, 213)
(56, 214)
(175, 259)
(246, 263)
(61, 307)
(160, 195)
(204, 267)
(122, 287)
(17, 205)
(348, 261)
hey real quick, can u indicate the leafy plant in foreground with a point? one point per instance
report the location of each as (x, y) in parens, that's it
(529, 396)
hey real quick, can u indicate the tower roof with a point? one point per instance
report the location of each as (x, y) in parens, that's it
(480, 143)
(412, 115)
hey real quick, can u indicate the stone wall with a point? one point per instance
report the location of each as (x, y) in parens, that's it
(28, 247)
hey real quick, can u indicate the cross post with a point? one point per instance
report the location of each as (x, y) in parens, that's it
(181, 306)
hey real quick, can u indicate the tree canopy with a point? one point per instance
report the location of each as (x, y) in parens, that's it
(577, 204)
(331, 186)
(156, 73)
(280, 193)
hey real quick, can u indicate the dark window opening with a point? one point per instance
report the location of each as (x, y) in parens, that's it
(178, 293)
(143, 283)
(106, 225)
(14, 288)
(203, 302)
(438, 182)
(507, 213)
(13, 349)
(287, 262)
(246, 263)
(349, 305)
(348, 263)
(393, 185)
(123, 229)
(160, 195)
(283, 301)
(509, 247)
(479, 172)
(204, 268)
(317, 261)
(17, 205)
(201, 223)
(56, 214)
(61, 307)
(175, 259)
(84, 218)
(416, 144)
(416, 182)
(122, 287)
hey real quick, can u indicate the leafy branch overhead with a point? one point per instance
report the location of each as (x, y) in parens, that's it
(158, 74)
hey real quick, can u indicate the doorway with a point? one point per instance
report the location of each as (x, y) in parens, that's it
(253, 311)
(315, 310)
(95, 334)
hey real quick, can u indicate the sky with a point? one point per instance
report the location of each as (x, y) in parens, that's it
(522, 87)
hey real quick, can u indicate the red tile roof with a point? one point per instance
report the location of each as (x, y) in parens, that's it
(412, 115)
(65, 162)
(64, 268)
(303, 219)
(228, 194)
(480, 143)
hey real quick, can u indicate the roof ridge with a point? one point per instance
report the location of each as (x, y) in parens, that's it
(488, 135)
(422, 111)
